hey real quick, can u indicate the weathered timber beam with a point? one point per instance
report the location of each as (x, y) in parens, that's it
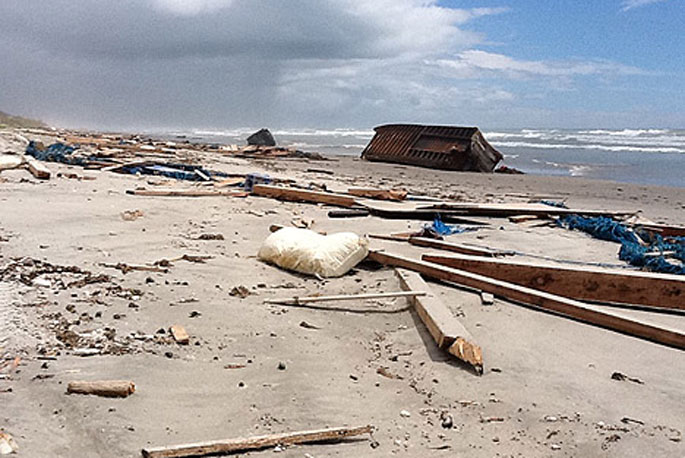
(303, 195)
(546, 301)
(592, 284)
(447, 331)
(506, 210)
(254, 443)
(185, 193)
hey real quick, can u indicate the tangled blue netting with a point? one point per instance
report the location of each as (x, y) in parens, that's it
(57, 152)
(441, 228)
(632, 251)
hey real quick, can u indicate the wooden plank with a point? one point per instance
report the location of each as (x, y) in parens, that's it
(382, 194)
(346, 297)
(303, 195)
(185, 193)
(179, 334)
(38, 169)
(106, 388)
(254, 443)
(447, 331)
(583, 283)
(455, 247)
(540, 299)
(505, 210)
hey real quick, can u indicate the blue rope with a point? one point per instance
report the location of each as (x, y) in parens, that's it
(632, 251)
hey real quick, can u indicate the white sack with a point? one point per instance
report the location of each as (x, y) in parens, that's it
(310, 253)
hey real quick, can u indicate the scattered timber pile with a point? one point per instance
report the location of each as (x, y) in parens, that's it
(438, 147)
(591, 294)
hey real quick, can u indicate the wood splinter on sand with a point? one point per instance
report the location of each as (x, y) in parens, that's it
(255, 443)
(447, 331)
(38, 169)
(106, 388)
(345, 297)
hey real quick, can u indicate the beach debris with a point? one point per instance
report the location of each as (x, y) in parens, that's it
(10, 161)
(126, 268)
(385, 372)
(210, 237)
(306, 325)
(381, 194)
(256, 443)
(508, 170)
(37, 169)
(105, 388)
(583, 283)
(303, 195)
(131, 215)
(261, 138)
(487, 298)
(621, 377)
(179, 334)
(520, 294)
(449, 334)
(7, 444)
(345, 297)
(352, 213)
(438, 147)
(240, 291)
(456, 247)
(307, 252)
(252, 179)
(186, 193)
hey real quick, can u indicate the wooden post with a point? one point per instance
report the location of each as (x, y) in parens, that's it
(546, 301)
(592, 284)
(254, 443)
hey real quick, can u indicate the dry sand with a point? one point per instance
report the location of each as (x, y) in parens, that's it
(547, 378)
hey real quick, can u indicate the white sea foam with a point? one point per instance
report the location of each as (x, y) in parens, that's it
(613, 148)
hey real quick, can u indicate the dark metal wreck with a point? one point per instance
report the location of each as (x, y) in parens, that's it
(438, 147)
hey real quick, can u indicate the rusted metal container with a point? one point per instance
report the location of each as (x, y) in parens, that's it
(437, 147)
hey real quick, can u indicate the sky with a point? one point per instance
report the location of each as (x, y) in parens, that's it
(184, 64)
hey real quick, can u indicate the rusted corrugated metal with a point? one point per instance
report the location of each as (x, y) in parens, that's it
(439, 147)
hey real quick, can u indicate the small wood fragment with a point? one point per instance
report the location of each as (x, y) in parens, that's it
(186, 193)
(381, 194)
(179, 334)
(106, 388)
(38, 169)
(303, 195)
(487, 298)
(254, 443)
(455, 247)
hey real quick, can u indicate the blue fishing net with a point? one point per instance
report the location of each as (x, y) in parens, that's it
(648, 255)
(57, 152)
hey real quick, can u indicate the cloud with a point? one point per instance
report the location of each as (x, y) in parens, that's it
(630, 4)
(220, 63)
(472, 62)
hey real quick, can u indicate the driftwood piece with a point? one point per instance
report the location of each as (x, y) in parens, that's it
(447, 331)
(186, 193)
(126, 268)
(179, 334)
(345, 297)
(303, 195)
(382, 194)
(540, 299)
(650, 289)
(106, 388)
(254, 443)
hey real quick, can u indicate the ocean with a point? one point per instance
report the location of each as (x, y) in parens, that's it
(642, 156)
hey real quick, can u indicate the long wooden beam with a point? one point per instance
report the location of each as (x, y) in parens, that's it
(254, 443)
(455, 247)
(447, 331)
(303, 195)
(546, 301)
(505, 210)
(592, 284)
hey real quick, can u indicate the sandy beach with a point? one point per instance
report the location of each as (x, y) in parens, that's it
(253, 368)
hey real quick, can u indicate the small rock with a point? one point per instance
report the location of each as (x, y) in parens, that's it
(240, 291)
(405, 413)
(551, 418)
(281, 366)
(168, 354)
(7, 444)
(447, 421)
(555, 447)
(194, 314)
